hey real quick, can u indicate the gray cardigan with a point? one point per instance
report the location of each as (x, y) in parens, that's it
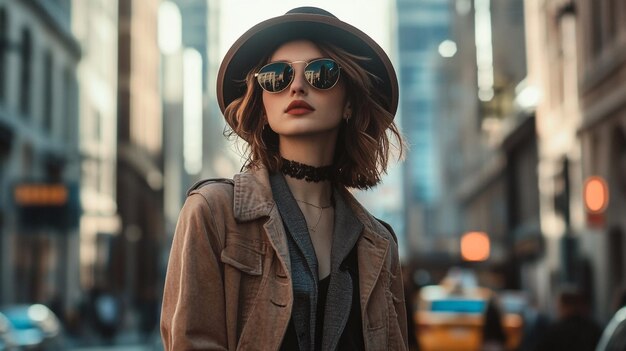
(304, 268)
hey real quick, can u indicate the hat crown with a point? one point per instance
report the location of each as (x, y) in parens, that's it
(305, 22)
(310, 10)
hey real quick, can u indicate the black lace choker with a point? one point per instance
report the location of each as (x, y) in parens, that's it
(309, 173)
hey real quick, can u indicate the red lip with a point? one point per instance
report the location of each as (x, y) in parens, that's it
(299, 107)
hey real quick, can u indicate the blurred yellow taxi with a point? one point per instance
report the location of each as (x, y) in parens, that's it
(450, 317)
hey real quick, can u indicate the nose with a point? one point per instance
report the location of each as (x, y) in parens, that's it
(299, 85)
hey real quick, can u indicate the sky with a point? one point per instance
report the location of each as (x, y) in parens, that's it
(371, 16)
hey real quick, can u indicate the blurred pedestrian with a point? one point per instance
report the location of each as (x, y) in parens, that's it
(535, 324)
(148, 304)
(619, 298)
(283, 256)
(493, 335)
(574, 330)
(106, 307)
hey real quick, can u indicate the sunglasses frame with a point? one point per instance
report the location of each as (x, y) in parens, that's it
(290, 64)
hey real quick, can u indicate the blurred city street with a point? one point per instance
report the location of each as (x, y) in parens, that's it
(509, 206)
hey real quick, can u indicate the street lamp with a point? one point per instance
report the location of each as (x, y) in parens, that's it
(596, 200)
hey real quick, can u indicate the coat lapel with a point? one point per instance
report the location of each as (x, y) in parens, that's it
(294, 220)
(347, 230)
(253, 200)
(303, 262)
(372, 247)
(372, 250)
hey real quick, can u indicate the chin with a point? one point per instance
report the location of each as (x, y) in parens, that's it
(324, 134)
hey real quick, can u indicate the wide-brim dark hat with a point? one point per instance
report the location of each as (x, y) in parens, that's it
(302, 23)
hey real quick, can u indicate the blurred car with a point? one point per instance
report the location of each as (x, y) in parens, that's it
(33, 327)
(614, 335)
(450, 316)
(6, 334)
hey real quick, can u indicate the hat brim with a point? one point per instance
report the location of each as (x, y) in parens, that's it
(246, 52)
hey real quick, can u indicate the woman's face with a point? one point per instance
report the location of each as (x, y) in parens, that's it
(302, 110)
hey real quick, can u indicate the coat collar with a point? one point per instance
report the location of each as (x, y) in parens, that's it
(253, 200)
(252, 195)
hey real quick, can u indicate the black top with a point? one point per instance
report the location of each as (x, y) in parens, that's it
(351, 337)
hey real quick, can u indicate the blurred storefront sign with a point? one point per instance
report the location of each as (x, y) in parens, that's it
(46, 205)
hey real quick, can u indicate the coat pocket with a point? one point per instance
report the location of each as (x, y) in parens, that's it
(244, 258)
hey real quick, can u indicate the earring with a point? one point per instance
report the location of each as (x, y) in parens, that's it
(347, 118)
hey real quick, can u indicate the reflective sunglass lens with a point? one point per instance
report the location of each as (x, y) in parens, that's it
(322, 74)
(275, 77)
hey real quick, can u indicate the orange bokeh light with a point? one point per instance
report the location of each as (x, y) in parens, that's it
(596, 194)
(475, 246)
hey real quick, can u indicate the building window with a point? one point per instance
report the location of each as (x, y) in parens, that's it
(611, 19)
(4, 42)
(25, 73)
(596, 28)
(48, 88)
(68, 99)
(27, 160)
(622, 17)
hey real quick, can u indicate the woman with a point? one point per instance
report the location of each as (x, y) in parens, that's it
(282, 256)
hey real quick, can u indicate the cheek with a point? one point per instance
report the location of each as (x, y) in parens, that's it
(269, 104)
(338, 105)
(339, 98)
(272, 109)
(266, 101)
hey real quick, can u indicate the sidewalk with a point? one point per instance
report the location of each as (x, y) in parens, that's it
(130, 340)
(113, 347)
(127, 338)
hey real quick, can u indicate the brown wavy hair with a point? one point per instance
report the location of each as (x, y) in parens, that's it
(363, 144)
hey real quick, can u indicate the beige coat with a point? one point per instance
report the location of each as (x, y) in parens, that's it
(228, 285)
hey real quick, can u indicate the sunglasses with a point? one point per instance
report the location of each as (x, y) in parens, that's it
(322, 74)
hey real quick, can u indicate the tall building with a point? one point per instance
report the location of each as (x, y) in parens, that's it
(134, 270)
(422, 26)
(219, 158)
(502, 198)
(39, 154)
(188, 110)
(195, 31)
(601, 32)
(576, 64)
(95, 26)
(553, 85)
(488, 145)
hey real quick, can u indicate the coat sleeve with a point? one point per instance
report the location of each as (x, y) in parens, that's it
(193, 311)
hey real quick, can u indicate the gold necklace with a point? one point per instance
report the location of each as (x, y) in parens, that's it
(319, 218)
